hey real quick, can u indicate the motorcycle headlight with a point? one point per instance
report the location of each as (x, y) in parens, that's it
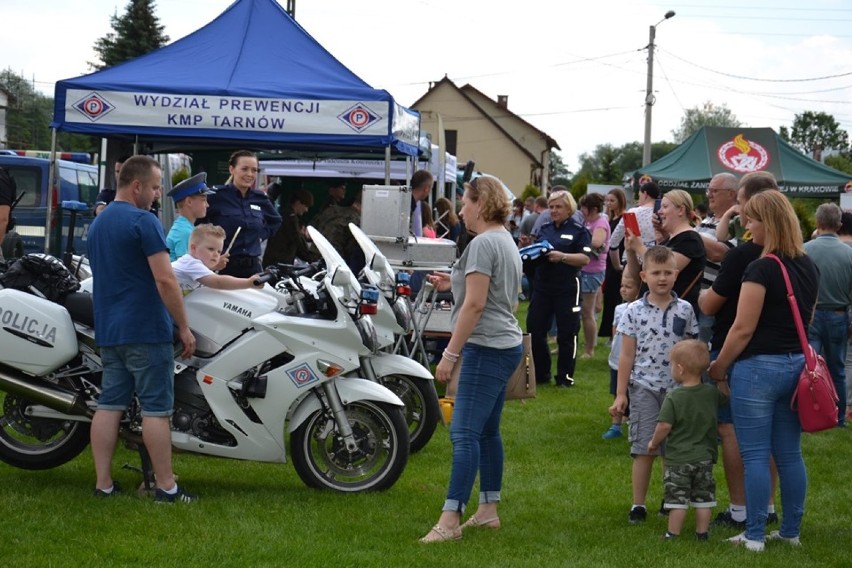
(368, 333)
(402, 311)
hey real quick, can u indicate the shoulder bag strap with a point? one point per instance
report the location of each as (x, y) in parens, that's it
(692, 284)
(810, 359)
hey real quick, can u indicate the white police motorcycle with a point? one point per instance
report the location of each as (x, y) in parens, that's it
(260, 369)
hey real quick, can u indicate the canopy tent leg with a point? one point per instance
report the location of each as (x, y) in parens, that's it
(51, 189)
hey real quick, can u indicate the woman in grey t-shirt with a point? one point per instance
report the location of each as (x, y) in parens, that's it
(485, 283)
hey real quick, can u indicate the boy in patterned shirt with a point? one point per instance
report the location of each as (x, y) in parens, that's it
(650, 327)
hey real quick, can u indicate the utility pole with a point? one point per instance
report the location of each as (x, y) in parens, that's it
(650, 99)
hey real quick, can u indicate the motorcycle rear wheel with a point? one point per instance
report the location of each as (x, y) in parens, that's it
(422, 409)
(322, 461)
(37, 443)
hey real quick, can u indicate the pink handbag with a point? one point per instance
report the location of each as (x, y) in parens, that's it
(815, 398)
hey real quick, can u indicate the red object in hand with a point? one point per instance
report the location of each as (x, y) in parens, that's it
(631, 224)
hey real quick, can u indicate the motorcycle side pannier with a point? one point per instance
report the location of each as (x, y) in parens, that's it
(36, 335)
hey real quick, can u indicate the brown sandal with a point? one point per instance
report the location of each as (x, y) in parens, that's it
(443, 535)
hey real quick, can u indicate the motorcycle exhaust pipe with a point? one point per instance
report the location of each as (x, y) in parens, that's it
(43, 392)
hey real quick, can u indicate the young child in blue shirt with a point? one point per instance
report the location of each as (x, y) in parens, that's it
(629, 292)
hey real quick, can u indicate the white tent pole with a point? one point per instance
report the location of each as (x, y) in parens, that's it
(387, 164)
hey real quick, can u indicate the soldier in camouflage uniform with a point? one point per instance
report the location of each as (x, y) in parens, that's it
(333, 223)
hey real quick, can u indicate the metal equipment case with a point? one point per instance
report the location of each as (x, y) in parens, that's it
(386, 210)
(386, 219)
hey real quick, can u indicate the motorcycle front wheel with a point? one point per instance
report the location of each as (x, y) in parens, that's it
(321, 459)
(37, 443)
(422, 409)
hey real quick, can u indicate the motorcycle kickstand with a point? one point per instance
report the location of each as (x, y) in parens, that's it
(148, 486)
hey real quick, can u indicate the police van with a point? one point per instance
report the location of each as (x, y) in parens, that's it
(77, 181)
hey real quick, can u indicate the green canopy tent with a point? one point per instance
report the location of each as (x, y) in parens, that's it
(713, 150)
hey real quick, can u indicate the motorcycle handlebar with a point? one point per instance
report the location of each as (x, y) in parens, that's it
(293, 271)
(264, 277)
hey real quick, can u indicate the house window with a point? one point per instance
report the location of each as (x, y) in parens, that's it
(452, 138)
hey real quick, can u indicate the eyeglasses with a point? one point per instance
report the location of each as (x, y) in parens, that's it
(715, 190)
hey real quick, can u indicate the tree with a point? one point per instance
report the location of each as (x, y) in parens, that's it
(840, 163)
(601, 166)
(559, 174)
(28, 119)
(608, 164)
(137, 32)
(706, 115)
(814, 132)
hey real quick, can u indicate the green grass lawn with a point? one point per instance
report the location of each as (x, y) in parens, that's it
(566, 495)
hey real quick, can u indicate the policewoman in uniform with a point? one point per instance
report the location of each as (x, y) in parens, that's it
(237, 204)
(556, 292)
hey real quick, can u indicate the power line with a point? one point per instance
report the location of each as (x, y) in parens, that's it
(776, 18)
(740, 7)
(669, 83)
(758, 79)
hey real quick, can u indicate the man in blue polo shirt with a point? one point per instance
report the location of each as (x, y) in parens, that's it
(137, 301)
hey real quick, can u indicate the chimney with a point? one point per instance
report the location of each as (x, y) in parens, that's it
(503, 101)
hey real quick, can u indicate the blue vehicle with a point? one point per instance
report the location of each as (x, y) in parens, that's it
(535, 250)
(76, 182)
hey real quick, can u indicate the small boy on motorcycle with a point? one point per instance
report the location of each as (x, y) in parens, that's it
(195, 268)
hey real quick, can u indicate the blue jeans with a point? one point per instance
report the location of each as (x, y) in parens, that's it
(761, 388)
(475, 429)
(828, 334)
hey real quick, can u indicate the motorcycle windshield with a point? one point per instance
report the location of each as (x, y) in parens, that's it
(333, 260)
(375, 271)
(384, 320)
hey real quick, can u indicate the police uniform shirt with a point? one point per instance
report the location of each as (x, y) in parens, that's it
(569, 237)
(253, 213)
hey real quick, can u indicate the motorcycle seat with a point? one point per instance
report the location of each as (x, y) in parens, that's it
(79, 305)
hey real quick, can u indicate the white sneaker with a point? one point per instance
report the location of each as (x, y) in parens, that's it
(776, 535)
(753, 545)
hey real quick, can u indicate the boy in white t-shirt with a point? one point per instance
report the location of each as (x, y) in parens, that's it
(194, 269)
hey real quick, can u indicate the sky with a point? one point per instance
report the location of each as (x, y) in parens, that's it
(575, 70)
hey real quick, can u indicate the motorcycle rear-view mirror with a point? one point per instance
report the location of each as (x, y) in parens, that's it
(342, 277)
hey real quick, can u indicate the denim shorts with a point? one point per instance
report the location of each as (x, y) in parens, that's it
(590, 282)
(144, 368)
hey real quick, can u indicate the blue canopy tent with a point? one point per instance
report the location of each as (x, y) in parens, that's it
(251, 77)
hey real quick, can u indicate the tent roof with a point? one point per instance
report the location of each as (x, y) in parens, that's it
(713, 150)
(252, 75)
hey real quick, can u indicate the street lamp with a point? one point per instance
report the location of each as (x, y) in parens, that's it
(649, 91)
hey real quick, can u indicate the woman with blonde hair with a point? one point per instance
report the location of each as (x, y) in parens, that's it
(556, 290)
(762, 358)
(675, 222)
(485, 282)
